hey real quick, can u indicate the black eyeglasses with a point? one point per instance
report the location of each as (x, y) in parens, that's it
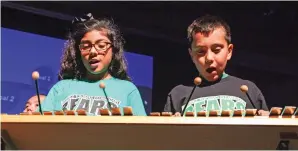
(101, 46)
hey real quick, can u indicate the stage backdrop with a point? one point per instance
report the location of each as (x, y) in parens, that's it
(22, 53)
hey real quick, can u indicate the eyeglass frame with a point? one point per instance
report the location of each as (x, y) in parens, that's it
(93, 45)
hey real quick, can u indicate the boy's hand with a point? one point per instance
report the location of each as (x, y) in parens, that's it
(177, 114)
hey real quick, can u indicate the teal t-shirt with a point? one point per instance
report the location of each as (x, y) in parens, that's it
(78, 94)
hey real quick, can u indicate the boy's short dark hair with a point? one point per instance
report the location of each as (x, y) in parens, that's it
(207, 24)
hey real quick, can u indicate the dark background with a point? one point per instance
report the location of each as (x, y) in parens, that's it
(264, 35)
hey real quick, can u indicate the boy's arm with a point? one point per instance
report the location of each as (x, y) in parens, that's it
(169, 106)
(263, 108)
(260, 101)
(136, 103)
(174, 100)
(257, 97)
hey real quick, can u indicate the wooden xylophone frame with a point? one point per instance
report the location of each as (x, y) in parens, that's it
(74, 130)
(147, 132)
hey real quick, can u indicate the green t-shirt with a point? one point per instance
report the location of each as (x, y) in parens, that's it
(78, 94)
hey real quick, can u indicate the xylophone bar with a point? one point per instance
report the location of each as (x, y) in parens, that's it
(116, 112)
(59, 113)
(250, 112)
(154, 114)
(81, 112)
(24, 113)
(201, 114)
(227, 113)
(238, 113)
(127, 111)
(166, 114)
(213, 113)
(36, 113)
(70, 112)
(189, 114)
(275, 112)
(47, 113)
(288, 111)
(104, 112)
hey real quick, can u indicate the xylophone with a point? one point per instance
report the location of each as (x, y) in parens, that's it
(278, 112)
(113, 130)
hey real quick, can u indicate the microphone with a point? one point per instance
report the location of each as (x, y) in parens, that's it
(35, 77)
(244, 89)
(197, 81)
(102, 85)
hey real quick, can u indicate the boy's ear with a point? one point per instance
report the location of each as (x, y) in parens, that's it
(230, 51)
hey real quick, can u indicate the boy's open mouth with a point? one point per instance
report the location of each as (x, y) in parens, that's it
(211, 69)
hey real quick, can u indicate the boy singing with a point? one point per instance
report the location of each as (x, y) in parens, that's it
(210, 49)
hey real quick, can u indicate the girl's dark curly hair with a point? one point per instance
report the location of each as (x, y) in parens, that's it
(72, 66)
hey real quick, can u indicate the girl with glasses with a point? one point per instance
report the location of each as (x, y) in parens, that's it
(93, 56)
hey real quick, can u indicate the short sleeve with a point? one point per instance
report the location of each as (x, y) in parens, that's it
(175, 99)
(261, 100)
(258, 98)
(135, 101)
